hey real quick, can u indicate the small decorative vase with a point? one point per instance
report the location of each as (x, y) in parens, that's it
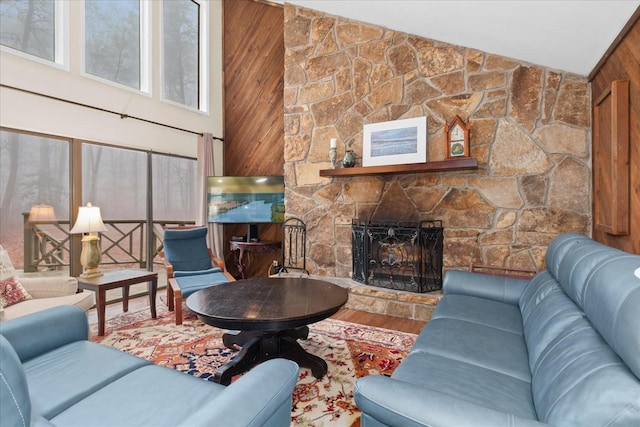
(349, 160)
(332, 157)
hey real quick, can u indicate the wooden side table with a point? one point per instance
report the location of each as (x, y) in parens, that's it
(239, 248)
(113, 279)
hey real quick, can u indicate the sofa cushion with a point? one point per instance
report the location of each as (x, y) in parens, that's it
(271, 384)
(469, 382)
(83, 300)
(578, 263)
(580, 380)
(15, 405)
(612, 304)
(558, 248)
(64, 376)
(546, 312)
(486, 286)
(49, 286)
(43, 331)
(476, 344)
(177, 273)
(481, 311)
(116, 405)
(193, 283)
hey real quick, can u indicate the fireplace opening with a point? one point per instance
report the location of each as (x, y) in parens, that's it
(405, 256)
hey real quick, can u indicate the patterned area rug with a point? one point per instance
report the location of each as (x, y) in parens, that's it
(350, 350)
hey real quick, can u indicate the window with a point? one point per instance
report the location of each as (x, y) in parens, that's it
(29, 26)
(112, 40)
(115, 179)
(181, 59)
(34, 170)
(175, 179)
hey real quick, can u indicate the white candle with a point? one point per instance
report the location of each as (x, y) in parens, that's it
(332, 143)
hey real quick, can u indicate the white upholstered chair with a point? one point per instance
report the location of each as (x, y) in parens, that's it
(45, 291)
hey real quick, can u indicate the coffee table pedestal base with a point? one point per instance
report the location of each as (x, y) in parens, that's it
(258, 347)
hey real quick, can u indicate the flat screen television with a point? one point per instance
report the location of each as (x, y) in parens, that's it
(245, 199)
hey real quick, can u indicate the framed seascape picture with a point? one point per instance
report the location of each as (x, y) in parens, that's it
(395, 143)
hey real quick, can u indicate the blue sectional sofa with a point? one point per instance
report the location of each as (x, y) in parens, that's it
(51, 375)
(561, 349)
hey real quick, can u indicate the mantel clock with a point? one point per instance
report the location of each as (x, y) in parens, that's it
(457, 138)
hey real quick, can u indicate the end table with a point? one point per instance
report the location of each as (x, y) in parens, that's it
(239, 248)
(113, 279)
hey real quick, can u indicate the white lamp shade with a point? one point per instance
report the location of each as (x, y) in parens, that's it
(42, 213)
(88, 221)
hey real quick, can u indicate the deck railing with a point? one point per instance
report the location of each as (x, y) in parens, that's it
(46, 244)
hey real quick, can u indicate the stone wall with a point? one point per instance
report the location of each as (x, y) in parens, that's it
(530, 131)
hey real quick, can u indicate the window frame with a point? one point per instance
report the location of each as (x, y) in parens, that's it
(60, 40)
(145, 40)
(203, 59)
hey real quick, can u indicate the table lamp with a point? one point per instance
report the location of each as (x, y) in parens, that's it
(42, 214)
(89, 222)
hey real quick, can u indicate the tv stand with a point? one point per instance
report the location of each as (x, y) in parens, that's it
(239, 248)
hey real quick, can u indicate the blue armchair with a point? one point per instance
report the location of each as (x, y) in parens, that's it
(190, 266)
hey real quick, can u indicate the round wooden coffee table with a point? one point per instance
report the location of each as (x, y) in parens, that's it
(268, 316)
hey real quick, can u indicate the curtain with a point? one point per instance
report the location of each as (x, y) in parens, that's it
(207, 167)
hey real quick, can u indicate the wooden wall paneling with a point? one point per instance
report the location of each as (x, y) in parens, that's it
(253, 60)
(628, 28)
(254, 84)
(621, 63)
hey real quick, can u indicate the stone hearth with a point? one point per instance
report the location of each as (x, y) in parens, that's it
(408, 305)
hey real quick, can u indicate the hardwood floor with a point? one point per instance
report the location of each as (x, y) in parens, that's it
(345, 314)
(380, 320)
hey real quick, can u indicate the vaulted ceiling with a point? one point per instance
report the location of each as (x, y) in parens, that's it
(567, 35)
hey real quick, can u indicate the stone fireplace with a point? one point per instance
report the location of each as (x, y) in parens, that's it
(400, 255)
(530, 132)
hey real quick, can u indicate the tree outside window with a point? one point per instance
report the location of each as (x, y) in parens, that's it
(181, 35)
(28, 26)
(34, 170)
(112, 40)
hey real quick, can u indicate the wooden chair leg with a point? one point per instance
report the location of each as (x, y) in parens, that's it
(178, 300)
(170, 304)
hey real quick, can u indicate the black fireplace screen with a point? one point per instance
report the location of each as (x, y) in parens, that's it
(402, 256)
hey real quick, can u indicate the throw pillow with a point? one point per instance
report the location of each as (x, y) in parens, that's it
(12, 292)
(6, 268)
